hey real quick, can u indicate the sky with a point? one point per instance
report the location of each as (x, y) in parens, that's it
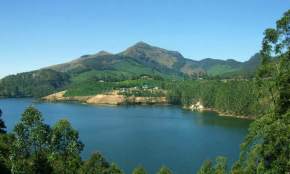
(36, 34)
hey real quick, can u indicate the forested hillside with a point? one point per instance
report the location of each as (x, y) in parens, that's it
(140, 59)
(234, 97)
(33, 84)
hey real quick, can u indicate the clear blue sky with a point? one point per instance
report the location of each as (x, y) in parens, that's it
(35, 33)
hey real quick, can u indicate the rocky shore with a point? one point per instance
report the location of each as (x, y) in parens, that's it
(110, 98)
(199, 107)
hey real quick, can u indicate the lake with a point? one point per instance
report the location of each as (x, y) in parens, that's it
(150, 136)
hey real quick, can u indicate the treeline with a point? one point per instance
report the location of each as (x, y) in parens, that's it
(238, 97)
(230, 96)
(96, 87)
(33, 84)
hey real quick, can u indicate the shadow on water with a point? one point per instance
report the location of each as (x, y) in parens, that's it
(213, 119)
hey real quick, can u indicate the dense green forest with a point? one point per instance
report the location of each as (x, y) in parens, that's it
(231, 96)
(35, 147)
(237, 97)
(33, 84)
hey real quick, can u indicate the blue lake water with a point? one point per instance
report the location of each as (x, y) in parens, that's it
(150, 136)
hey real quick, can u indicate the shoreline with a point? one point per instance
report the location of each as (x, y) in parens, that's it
(198, 107)
(118, 100)
(224, 114)
(219, 113)
(80, 100)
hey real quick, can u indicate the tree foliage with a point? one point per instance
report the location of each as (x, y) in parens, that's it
(33, 84)
(97, 164)
(164, 170)
(206, 168)
(66, 147)
(267, 145)
(114, 169)
(2, 124)
(4, 146)
(139, 170)
(237, 97)
(30, 144)
(266, 149)
(220, 166)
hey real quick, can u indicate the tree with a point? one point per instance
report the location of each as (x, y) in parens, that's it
(164, 170)
(4, 147)
(2, 124)
(266, 148)
(65, 148)
(114, 169)
(139, 170)
(97, 164)
(237, 168)
(206, 168)
(3, 160)
(30, 147)
(220, 166)
(38, 149)
(41, 164)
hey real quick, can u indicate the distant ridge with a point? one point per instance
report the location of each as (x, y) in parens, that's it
(141, 58)
(158, 59)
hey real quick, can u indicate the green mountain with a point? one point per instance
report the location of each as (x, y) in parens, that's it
(137, 60)
(35, 83)
(149, 59)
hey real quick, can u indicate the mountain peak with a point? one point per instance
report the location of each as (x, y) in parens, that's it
(141, 44)
(89, 56)
(138, 48)
(148, 53)
(103, 53)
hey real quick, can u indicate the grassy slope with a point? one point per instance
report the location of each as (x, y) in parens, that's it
(221, 69)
